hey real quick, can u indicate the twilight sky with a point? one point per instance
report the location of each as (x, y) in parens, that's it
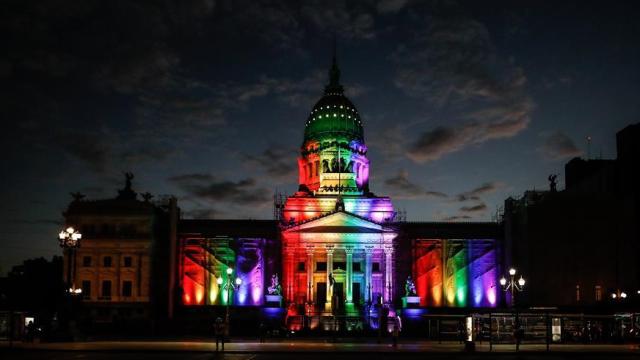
(463, 103)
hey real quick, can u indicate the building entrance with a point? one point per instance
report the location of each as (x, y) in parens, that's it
(356, 293)
(321, 293)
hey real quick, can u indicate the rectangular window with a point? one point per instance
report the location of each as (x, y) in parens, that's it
(86, 261)
(301, 266)
(321, 266)
(106, 261)
(339, 265)
(106, 289)
(577, 293)
(127, 261)
(375, 267)
(317, 165)
(356, 267)
(126, 288)
(86, 289)
(598, 293)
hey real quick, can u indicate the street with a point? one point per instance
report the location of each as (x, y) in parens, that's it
(64, 355)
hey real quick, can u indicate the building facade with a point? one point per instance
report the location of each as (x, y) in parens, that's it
(336, 247)
(119, 264)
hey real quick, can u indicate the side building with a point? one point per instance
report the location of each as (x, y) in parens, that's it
(121, 263)
(579, 247)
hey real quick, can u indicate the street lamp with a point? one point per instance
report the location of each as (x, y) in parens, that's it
(228, 286)
(620, 295)
(512, 285)
(69, 239)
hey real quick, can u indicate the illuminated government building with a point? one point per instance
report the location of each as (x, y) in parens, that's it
(334, 246)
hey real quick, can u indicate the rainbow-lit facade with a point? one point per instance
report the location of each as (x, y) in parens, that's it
(336, 246)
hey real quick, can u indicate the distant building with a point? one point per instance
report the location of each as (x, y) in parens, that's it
(580, 246)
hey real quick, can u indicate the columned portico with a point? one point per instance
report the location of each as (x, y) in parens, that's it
(343, 239)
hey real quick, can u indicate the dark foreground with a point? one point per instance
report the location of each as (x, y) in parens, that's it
(63, 355)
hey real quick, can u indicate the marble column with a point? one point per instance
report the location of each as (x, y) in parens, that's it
(329, 271)
(368, 284)
(388, 275)
(290, 275)
(309, 274)
(349, 252)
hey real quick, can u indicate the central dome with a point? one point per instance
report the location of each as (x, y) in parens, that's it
(334, 117)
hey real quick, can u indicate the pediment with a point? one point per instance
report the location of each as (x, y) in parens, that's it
(338, 222)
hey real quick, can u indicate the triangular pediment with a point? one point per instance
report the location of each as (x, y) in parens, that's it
(339, 222)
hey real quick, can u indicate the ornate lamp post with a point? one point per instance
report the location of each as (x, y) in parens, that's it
(620, 295)
(512, 285)
(69, 240)
(229, 286)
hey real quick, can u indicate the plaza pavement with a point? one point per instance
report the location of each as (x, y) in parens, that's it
(312, 346)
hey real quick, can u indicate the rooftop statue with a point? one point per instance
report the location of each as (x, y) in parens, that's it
(552, 182)
(127, 193)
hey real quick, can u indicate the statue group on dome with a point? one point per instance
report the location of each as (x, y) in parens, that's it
(337, 166)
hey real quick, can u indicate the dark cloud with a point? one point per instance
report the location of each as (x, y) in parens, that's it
(203, 214)
(559, 146)
(457, 217)
(478, 208)
(206, 187)
(276, 161)
(402, 188)
(343, 18)
(391, 6)
(453, 63)
(476, 193)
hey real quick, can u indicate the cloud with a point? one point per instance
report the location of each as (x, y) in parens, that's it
(244, 192)
(391, 6)
(201, 213)
(452, 64)
(351, 20)
(474, 194)
(276, 161)
(558, 146)
(404, 189)
(478, 208)
(457, 217)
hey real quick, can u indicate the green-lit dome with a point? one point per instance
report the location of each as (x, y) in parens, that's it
(334, 115)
